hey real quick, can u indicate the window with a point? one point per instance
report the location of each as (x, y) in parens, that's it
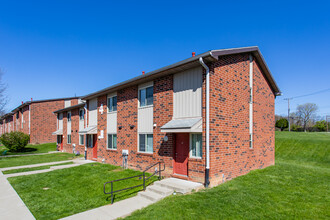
(196, 145)
(146, 143)
(17, 115)
(69, 116)
(112, 141)
(90, 140)
(81, 139)
(81, 114)
(69, 138)
(146, 96)
(112, 104)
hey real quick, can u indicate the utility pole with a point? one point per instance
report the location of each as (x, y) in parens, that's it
(288, 112)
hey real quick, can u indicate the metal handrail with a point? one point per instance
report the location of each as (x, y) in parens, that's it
(159, 170)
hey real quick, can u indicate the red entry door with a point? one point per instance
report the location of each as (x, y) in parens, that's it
(95, 146)
(181, 154)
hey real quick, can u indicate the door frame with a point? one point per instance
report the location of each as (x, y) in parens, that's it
(174, 154)
(94, 151)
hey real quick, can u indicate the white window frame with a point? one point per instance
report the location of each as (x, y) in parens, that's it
(145, 134)
(67, 116)
(67, 137)
(92, 141)
(81, 140)
(112, 134)
(108, 101)
(190, 146)
(145, 88)
(83, 116)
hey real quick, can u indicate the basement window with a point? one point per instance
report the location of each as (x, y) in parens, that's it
(69, 138)
(112, 141)
(146, 143)
(146, 96)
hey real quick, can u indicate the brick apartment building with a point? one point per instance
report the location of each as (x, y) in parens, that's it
(35, 118)
(210, 118)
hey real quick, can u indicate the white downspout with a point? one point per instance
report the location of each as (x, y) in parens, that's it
(207, 170)
(251, 101)
(85, 126)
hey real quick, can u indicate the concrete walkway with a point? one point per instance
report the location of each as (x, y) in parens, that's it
(23, 155)
(153, 193)
(76, 162)
(11, 205)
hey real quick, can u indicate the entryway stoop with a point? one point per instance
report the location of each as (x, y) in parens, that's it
(153, 193)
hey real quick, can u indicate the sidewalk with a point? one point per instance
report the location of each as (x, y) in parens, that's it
(11, 205)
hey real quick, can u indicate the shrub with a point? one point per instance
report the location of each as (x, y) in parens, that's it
(282, 123)
(15, 141)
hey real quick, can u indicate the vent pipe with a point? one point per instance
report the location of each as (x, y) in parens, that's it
(143, 72)
(193, 54)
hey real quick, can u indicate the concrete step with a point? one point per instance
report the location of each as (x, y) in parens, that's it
(152, 196)
(178, 185)
(160, 190)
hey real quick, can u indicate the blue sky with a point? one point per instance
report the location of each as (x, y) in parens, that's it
(51, 49)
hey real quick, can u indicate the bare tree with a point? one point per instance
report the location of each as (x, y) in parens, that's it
(3, 95)
(306, 112)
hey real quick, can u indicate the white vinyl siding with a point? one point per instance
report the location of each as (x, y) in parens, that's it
(146, 143)
(187, 88)
(67, 103)
(112, 141)
(92, 116)
(69, 123)
(196, 147)
(145, 120)
(60, 121)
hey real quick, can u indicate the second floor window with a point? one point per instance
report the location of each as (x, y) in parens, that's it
(69, 116)
(146, 96)
(81, 114)
(112, 104)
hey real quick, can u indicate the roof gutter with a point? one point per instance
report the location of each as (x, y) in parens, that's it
(207, 170)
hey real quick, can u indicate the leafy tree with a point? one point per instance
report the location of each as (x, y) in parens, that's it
(321, 125)
(282, 123)
(306, 112)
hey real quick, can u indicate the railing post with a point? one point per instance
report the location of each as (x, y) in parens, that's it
(111, 192)
(160, 174)
(144, 181)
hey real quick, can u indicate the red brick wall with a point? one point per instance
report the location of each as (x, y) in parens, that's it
(43, 120)
(230, 153)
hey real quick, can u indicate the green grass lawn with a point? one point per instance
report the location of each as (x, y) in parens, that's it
(34, 159)
(68, 191)
(34, 168)
(297, 187)
(31, 149)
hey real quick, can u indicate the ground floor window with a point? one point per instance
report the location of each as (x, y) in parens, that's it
(112, 141)
(69, 138)
(196, 145)
(90, 140)
(81, 139)
(146, 143)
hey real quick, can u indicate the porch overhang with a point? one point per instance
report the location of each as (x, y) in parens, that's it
(58, 132)
(185, 125)
(89, 130)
